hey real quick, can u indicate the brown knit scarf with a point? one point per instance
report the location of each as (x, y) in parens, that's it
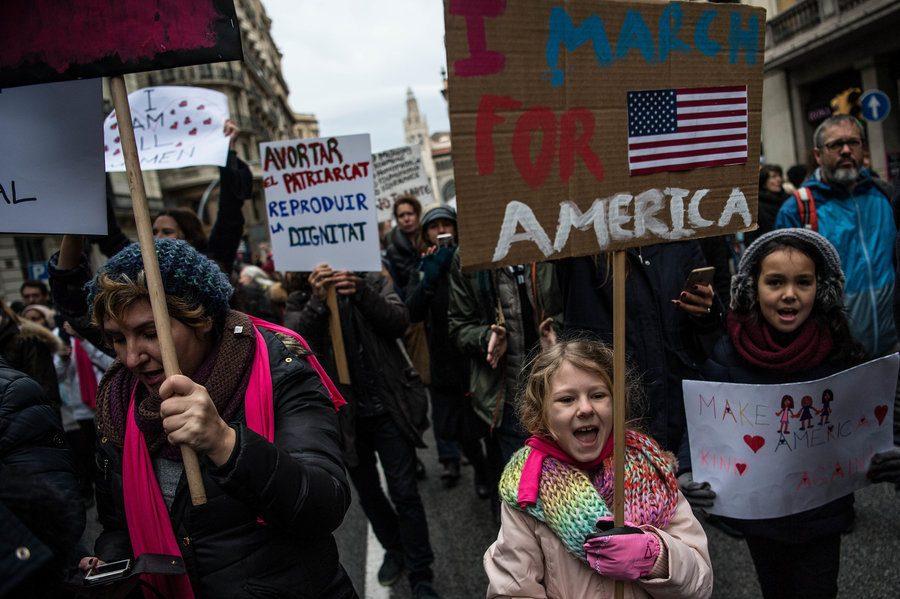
(225, 373)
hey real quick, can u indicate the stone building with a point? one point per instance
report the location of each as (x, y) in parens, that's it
(820, 56)
(258, 103)
(436, 149)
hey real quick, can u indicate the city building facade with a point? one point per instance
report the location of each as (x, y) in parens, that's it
(436, 149)
(258, 102)
(821, 56)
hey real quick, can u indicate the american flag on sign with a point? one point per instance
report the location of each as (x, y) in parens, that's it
(682, 129)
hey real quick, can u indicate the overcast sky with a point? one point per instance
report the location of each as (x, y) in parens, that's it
(350, 62)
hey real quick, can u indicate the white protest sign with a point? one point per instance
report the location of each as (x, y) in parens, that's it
(774, 450)
(51, 164)
(320, 203)
(174, 126)
(397, 172)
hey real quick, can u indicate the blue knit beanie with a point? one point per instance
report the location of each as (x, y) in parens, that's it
(186, 274)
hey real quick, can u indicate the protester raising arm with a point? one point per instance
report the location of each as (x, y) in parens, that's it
(235, 186)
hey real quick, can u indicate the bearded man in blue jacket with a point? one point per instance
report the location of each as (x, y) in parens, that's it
(853, 211)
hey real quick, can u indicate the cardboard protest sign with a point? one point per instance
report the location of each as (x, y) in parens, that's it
(588, 126)
(400, 171)
(59, 40)
(775, 450)
(174, 126)
(51, 166)
(320, 202)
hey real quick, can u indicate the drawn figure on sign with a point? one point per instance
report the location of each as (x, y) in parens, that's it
(805, 414)
(825, 412)
(786, 412)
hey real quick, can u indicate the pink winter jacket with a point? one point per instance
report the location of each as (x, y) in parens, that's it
(529, 560)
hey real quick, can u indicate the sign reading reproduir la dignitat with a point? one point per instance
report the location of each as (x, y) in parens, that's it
(320, 202)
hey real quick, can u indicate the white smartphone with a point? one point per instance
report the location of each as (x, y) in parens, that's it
(109, 571)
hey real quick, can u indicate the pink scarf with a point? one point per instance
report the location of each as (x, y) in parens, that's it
(148, 520)
(541, 448)
(87, 379)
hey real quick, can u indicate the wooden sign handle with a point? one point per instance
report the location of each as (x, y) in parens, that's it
(619, 274)
(337, 337)
(151, 266)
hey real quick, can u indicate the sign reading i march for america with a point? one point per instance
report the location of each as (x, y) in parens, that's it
(681, 129)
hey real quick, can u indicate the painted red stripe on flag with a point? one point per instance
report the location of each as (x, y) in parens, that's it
(687, 153)
(717, 102)
(711, 90)
(682, 142)
(686, 167)
(709, 115)
(691, 128)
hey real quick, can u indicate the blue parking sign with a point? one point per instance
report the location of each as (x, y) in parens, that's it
(875, 105)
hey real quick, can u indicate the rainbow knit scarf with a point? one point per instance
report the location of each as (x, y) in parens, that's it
(570, 500)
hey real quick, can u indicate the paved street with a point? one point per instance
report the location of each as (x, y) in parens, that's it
(461, 528)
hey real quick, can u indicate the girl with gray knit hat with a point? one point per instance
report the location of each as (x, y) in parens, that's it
(787, 324)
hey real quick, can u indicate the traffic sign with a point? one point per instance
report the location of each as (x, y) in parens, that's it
(874, 105)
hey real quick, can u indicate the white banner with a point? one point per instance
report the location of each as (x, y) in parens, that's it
(320, 203)
(173, 127)
(51, 167)
(775, 450)
(397, 172)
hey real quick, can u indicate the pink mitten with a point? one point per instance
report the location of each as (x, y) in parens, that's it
(624, 553)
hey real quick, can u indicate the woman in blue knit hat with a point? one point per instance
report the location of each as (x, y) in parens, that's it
(251, 403)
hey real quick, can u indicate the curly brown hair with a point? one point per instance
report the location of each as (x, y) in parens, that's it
(585, 354)
(114, 296)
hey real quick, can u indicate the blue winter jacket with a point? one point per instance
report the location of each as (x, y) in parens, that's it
(861, 227)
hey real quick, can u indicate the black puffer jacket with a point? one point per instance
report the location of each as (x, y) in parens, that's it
(296, 485)
(29, 348)
(665, 344)
(41, 509)
(403, 258)
(727, 366)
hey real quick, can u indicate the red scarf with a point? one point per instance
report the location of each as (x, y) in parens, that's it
(753, 338)
(149, 526)
(87, 379)
(540, 448)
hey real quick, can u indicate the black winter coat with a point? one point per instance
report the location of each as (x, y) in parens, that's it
(769, 205)
(726, 365)
(403, 258)
(41, 509)
(449, 367)
(296, 485)
(29, 348)
(665, 344)
(379, 318)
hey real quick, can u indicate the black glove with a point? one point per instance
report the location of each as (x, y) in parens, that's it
(885, 467)
(699, 495)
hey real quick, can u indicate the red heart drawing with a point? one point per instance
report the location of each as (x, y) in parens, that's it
(178, 145)
(880, 413)
(174, 125)
(114, 126)
(117, 151)
(207, 122)
(741, 468)
(754, 442)
(201, 107)
(116, 140)
(183, 103)
(193, 131)
(187, 120)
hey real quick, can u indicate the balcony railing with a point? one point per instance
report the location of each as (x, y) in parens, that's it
(800, 17)
(207, 73)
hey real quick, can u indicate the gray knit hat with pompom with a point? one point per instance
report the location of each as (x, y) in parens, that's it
(186, 273)
(829, 284)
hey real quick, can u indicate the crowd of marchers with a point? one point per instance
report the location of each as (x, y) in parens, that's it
(510, 368)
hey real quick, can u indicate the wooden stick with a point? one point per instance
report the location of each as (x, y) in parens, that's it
(337, 337)
(619, 265)
(151, 266)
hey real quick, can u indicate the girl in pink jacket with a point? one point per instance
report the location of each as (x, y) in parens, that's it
(556, 537)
